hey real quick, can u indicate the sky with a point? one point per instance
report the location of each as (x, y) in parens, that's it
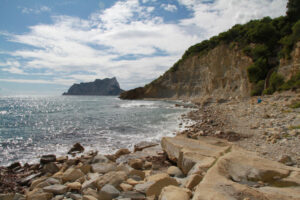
(46, 46)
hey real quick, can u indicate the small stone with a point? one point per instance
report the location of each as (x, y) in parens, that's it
(77, 148)
(72, 175)
(47, 159)
(133, 195)
(103, 168)
(193, 180)
(40, 196)
(131, 181)
(56, 189)
(173, 192)
(126, 187)
(148, 165)
(99, 159)
(108, 192)
(175, 171)
(14, 166)
(143, 145)
(51, 168)
(121, 152)
(74, 186)
(136, 163)
(62, 159)
(285, 159)
(88, 197)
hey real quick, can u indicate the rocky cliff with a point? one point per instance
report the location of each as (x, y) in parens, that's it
(290, 67)
(221, 73)
(98, 87)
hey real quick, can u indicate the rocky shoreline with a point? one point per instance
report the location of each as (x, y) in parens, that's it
(236, 149)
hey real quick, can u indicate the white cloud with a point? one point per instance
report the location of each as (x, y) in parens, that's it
(12, 67)
(169, 7)
(104, 45)
(213, 18)
(39, 10)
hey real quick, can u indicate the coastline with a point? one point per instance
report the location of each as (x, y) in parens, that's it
(225, 122)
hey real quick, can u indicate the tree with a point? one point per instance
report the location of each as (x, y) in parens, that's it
(293, 10)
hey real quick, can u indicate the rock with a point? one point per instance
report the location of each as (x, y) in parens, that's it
(14, 166)
(88, 197)
(100, 159)
(132, 195)
(175, 171)
(285, 159)
(91, 192)
(53, 181)
(157, 183)
(148, 165)
(136, 163)
(47, 159)
(74, 186)
(56, 189)
(62, 159)
(113, 178)
(50, 168)
(187, 152)
(143, 145)
(27, 180)
(36, 182)
(131, 181)
(75, 196)
(72, 175)
(240, 174)
(19, 197)
(77, 148)
(193, 181)
(107, 86)
(85, 168)
(58, 197)
(108, 192)
(92, 183)
(9, 196)
(172, 192)
(40, 196)
(121, 152)
(103, 168)
(126, 187)
(135, 172)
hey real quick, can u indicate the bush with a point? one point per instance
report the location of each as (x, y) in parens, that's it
(258, 70)
(260, 51)
(293, 83)
(258, 88)
(276, 81)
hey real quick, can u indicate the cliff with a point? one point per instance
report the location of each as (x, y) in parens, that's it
(98, 87)
(221, 73)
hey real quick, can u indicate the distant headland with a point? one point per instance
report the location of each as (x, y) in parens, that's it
(107, 86)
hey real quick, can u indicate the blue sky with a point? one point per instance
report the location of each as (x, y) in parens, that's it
(46, 46)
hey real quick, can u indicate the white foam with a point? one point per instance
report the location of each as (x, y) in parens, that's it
(3, 112)
(136, 104)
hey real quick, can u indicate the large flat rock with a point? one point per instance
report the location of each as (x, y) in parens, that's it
(241, 174)
(187, 152)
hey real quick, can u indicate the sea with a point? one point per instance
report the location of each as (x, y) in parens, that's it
(32, 126)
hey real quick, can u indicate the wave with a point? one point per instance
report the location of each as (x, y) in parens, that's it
(138, 105)
(3, 112)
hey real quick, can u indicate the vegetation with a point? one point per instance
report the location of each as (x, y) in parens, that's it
(295, 105)
(266, 41)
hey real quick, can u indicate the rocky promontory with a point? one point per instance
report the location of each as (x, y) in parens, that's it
(107, 86)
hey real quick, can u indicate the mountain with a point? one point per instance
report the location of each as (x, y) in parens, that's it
(103, 87)
(259, 57)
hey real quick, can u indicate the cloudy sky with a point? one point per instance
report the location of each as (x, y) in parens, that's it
(46, 46)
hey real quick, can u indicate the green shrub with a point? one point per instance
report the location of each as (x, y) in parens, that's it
(276, 81)
(293, 83)
(260, 51)
(258, 70)
(258, 88)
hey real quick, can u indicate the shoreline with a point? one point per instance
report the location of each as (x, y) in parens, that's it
(227, 122)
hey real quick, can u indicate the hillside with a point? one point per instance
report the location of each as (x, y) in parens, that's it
(259, 57)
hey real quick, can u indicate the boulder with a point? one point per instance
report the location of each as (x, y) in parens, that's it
(108, 192)
(56, 189)
(136, 163)
(47, 159)
(36, 182)
(72, 175)
(77, 148)
(241, 174)
(88, 197)
(91, 183)
(113, 178)
(193, 181)
(126, 187)
(156, 183)
(175, 171)
(143, 145)
(99, 159)
(103, 168)
(187, 152)
(121, 152)
(50, 168)
(74, 186)
(172, 192)
(40, 196)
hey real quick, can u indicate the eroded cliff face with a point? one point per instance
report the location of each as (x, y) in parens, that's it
(221, 73)
(289, 68)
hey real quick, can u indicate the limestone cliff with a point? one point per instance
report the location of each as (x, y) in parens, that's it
(290, 67)
(98, 87)
(220, 73)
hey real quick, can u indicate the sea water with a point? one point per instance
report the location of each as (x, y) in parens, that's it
(33, 126)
